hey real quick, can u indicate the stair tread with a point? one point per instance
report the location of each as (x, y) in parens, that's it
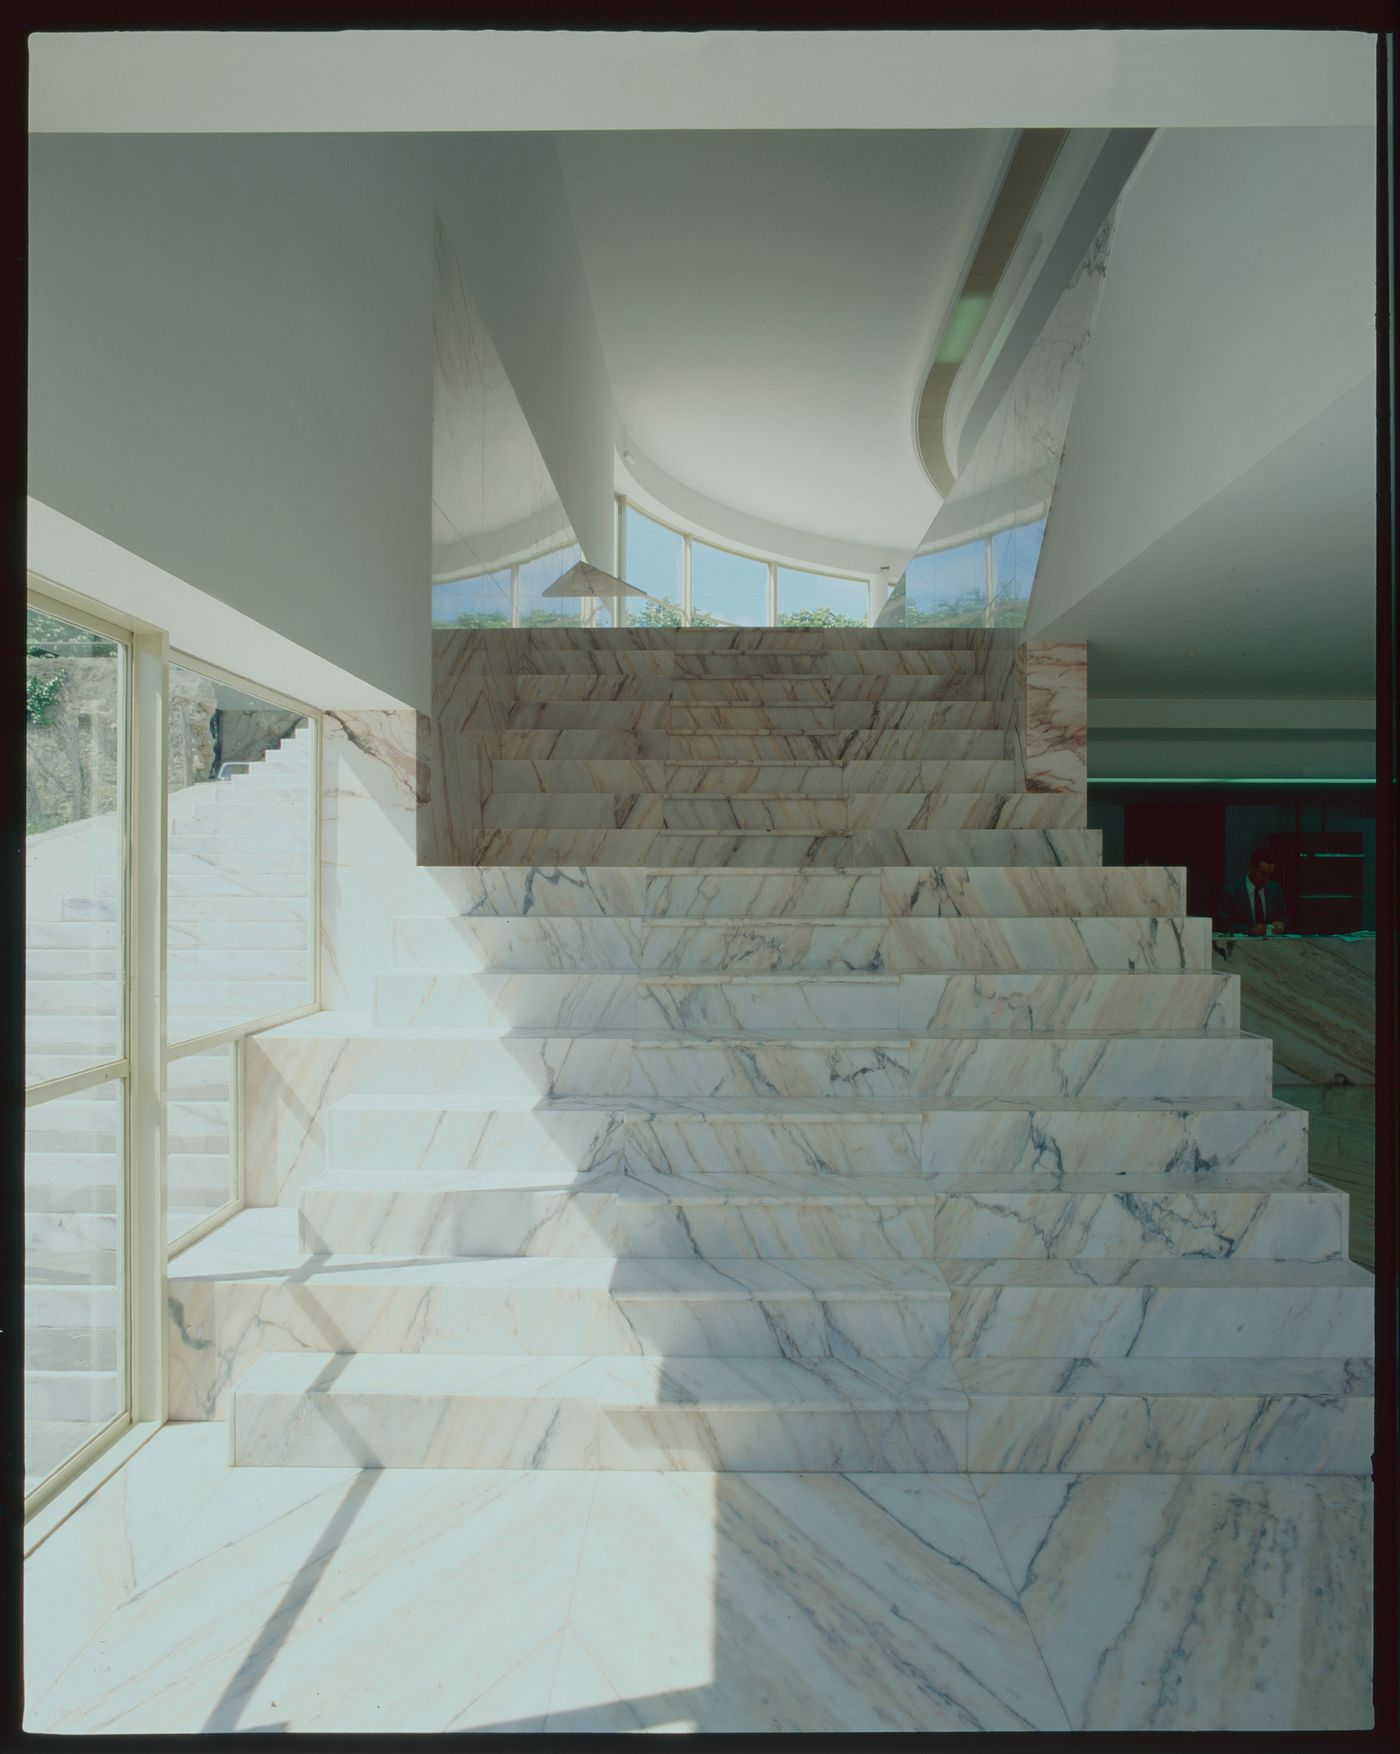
(1084, 1273)
(754, 1187)
(1167, 1376)
(716, 1108)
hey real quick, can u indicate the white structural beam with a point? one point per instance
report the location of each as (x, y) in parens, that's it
(429, 81)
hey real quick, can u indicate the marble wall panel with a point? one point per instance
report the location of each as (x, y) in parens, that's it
(1052, 706)
(1316, 997)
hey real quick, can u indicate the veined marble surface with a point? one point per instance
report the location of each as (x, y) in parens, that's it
(1316, 997)
(328, 1600)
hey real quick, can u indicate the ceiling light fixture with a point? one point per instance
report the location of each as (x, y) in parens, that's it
(583, 580)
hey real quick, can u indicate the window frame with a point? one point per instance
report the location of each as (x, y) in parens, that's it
(688, 536)
(145, 1250)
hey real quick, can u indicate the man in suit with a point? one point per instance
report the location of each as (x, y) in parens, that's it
(1253, 903)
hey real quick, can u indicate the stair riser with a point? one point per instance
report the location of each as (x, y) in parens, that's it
(477, 1432)
(644, 848)
(721, 692)
(939, 1003)
(525, 812)
(747, 749)
(1014, 1141)
(947, 892)
(793, 780)
(1293, 1224)
(1164, 1322)
(959, 706)
(947, 1069)
(1170, 1434)
(866, 946)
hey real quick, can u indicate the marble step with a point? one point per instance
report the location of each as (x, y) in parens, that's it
(1169, 1415)
(747, 813)
(864, 893)
(1169, 1308)
(968, 710)
(739, 749)
(745, 690)
(728, 1216)
(965, 891)
(773, 1415)
(672, 848)
(541, 1307)
(783, 779)
(535, 1063)
(439, 1130)
(913, 945)
(774, 1002)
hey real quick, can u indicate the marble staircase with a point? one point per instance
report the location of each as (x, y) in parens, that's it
(700, 747)
(888, 1168)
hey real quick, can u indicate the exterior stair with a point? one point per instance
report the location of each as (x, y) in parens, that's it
(239, 862)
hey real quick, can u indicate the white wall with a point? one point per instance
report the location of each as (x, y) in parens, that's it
(1239, 304)
(231, 377)
(502, 204)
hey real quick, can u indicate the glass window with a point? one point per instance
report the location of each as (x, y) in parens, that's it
(1015, 554)
(807, 599)
(75, 734)
(243, 792)
(480, 602)
(537, 610)
(947, 588)
(726, 589)
(75, 1381)
(654, 562)
(201, 1093)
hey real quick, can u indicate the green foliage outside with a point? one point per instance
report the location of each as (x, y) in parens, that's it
(40, 692)
(819, 618)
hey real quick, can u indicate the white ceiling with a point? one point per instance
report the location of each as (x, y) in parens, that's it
(1267, 590)
(768, 304)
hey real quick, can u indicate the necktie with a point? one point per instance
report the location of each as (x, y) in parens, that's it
(1259, 905)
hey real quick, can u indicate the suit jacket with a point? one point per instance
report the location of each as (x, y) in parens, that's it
(1233, 912)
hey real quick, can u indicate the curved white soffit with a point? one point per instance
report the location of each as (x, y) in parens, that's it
(653, 491)
(1023, 178)
(1015, 324)
(1058, 189)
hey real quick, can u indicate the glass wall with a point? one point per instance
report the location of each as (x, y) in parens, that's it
(985, 582)
(654, 563)
(242, 803)
(478, 602)
(514, 596)
(75, 824)
(75, 1379)
(807, 599)
(77, 716)
(690, 583)
(535, 577)
(726, 590)
(122, 973)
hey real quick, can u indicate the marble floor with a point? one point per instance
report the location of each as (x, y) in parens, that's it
(188, 1596)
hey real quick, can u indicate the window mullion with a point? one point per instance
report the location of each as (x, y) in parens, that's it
(146, 1005)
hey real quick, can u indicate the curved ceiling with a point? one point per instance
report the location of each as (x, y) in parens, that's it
(768, 304)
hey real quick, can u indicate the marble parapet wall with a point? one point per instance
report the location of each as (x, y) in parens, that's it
(1316, 997)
